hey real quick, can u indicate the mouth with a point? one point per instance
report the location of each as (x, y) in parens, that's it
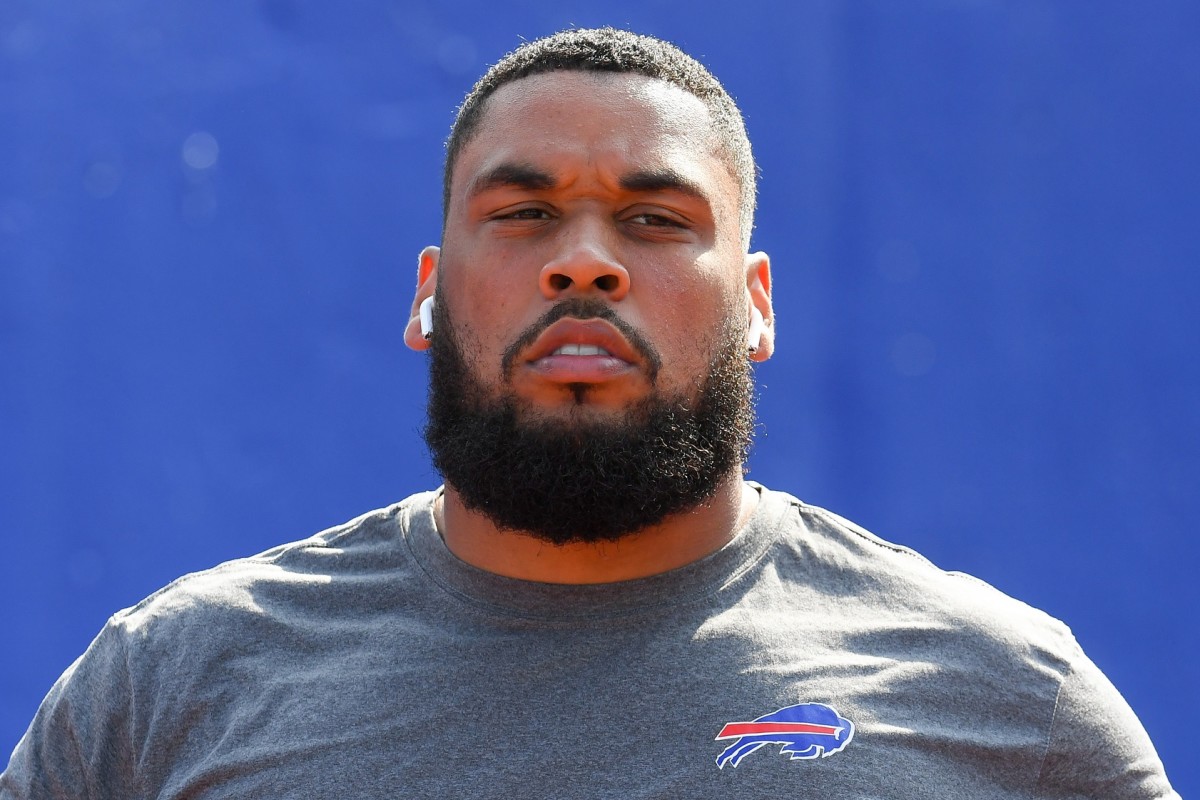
(573, 351)
(580, 350)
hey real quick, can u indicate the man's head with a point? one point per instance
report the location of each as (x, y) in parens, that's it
(616, 51)
(590, 372)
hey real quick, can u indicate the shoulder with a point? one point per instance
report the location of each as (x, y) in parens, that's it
(161, 672)
(364, 545)
(959, 645)
(871, 577)
(269, 599)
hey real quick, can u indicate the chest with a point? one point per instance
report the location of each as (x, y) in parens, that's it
(741, 704)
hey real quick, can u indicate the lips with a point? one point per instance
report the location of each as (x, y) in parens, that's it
(580, 351)
(579, 335)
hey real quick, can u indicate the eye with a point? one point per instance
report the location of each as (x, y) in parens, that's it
(655, 221)
(524, 214)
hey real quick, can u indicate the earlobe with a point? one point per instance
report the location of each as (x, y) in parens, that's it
(419, 329)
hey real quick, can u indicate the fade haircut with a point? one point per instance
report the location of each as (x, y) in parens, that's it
(612, 50)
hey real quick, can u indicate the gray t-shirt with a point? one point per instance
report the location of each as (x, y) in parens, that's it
(807, 658)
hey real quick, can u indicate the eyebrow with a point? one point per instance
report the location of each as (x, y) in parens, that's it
(662, 180)
(516, 176)
(525, 176)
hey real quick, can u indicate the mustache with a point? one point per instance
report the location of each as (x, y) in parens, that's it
(583, 308)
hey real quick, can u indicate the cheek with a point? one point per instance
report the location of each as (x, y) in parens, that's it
(488, 282)
(486, 317)
(706, 290)
(692, 317)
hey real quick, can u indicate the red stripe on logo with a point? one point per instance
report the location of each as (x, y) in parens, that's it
(734, 729)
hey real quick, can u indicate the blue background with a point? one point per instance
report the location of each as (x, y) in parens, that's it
(983, 218)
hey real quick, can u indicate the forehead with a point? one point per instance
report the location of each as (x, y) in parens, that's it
(598, 121)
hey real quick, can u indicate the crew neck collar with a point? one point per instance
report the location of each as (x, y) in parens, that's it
(554, 601)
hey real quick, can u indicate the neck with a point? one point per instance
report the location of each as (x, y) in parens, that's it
(675, 542)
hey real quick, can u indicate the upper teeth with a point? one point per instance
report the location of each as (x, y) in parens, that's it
(580, 350)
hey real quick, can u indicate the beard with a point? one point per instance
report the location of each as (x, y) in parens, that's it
(584, 479)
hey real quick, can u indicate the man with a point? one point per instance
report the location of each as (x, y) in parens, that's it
(596, 604)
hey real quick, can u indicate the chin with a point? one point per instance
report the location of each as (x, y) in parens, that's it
(580, 401)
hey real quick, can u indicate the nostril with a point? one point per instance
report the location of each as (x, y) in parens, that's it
(607, 283)
(559, 282)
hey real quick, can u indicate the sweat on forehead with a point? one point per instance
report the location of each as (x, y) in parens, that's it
(607, 50)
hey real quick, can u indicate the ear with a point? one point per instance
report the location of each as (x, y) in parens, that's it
(427, 264)
(758, 295)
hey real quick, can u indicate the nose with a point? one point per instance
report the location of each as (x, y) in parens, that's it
(584, 265)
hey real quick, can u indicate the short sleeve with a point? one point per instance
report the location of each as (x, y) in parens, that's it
(1098, 747)
(78, 745)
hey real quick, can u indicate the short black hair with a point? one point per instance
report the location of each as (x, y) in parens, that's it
(613, 50)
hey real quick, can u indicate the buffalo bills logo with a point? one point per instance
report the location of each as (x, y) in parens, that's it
(807, 730)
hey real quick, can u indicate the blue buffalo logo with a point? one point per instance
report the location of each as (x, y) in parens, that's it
(807, 730)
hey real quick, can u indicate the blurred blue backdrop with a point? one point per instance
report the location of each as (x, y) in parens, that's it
(983, 216)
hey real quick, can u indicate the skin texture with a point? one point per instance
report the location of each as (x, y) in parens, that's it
(604, 186)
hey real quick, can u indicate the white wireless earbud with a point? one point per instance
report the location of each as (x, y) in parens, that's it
(757, 328)
(426, 314)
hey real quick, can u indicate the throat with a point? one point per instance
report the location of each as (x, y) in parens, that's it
(680, 539)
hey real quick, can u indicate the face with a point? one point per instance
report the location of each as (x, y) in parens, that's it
(598, 187)
(589, 372)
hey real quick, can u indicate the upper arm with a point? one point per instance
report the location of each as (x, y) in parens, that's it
(1097, 746)
(78, 745)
